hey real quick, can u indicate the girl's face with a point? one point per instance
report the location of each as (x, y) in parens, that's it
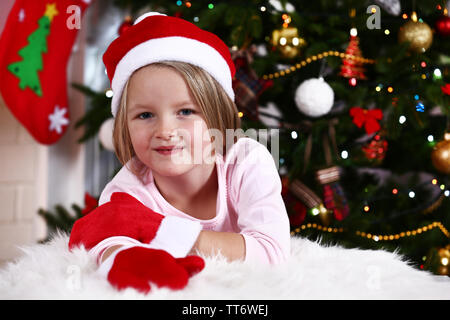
(161, 113)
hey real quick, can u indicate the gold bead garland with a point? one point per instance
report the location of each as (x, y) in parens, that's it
(375, 237)
(319, 56)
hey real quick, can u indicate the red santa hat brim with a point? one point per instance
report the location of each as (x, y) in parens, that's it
(155, 38)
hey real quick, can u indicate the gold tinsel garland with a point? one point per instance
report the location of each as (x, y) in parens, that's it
(375, 237)
(316, 57)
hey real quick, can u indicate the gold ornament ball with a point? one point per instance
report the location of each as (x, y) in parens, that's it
(288, 41)
(440, 156)
(444, 260)
(324, 214)
(419, 34)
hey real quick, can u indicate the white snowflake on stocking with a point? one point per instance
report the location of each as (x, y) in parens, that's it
(57, 119)
(21, 15)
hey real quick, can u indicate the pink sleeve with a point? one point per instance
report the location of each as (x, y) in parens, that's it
(262, 216)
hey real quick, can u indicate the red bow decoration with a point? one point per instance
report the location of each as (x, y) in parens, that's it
(446, 89)
(368, 118)
(90, 204)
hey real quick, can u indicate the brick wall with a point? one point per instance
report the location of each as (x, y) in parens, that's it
(23, 186)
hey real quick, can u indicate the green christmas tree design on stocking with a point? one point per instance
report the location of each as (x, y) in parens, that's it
(27, 69)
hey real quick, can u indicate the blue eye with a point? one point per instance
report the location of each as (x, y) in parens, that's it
(144, 115)
(189, 112)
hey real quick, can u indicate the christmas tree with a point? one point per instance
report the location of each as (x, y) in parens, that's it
(364, 155)
(27, 69)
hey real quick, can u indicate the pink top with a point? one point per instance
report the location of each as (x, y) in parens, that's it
(249, 200)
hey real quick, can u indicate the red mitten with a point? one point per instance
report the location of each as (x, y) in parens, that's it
(137, 266)
(122, 216)
(124, 220)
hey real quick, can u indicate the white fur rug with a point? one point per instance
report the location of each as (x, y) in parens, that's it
(51, 271)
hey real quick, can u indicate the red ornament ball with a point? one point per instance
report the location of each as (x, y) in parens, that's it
(125, 25)
(443, 26)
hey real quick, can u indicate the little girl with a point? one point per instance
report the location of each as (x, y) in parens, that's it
(177, 133)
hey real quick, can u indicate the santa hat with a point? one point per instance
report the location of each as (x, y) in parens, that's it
(156, 37)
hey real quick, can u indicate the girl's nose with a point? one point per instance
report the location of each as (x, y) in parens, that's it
(166, 129)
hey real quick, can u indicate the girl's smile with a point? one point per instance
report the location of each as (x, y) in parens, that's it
(168, 150)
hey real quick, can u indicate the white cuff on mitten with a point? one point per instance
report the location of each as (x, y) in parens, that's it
(176, 235)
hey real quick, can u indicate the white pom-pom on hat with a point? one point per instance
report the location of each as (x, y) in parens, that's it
(314, 97)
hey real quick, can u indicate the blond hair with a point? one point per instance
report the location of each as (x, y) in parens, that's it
(219, 111)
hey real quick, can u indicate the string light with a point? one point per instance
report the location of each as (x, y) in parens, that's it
(387, 237)
(109, 93)
(402, 119)
(294, 135)
(287, 19)
(316, 58)
(395, 191)
(430, 138)
(420, 107)
(437, 74)
(344, 154)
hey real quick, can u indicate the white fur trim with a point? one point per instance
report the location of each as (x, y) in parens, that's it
(107, 243)
(170, 48)
(176, 235)
(314, 271)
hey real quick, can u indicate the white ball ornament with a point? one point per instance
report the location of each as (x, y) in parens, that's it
(105, 134)
(314, 97)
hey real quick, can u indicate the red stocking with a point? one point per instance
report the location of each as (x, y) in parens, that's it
(34, 50)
